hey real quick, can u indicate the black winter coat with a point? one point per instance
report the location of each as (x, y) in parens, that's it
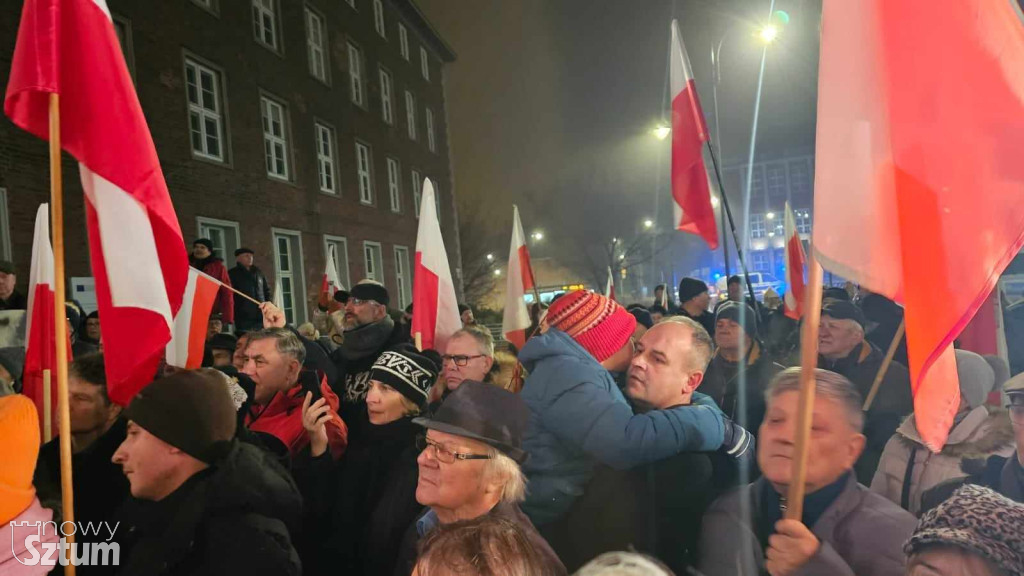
(254, 283)
(237, 517)
(721, 382)
(1001, 474)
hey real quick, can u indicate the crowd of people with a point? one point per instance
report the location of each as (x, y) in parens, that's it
(641, 440)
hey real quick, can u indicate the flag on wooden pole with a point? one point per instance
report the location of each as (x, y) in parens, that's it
(519, 281)
(795, 260)
(435, 310)
(330, 283)
(609, 286)
(188, 340)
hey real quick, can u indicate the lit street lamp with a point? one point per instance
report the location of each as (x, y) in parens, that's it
(497, 272)
(661, 132)
(538, 235)
(715, 201)
(648, 223)
(768, 33)
(490, 257)
(770, 215)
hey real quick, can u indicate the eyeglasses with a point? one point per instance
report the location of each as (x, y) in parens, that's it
(460, 360)
(443, 454)
(360, 301)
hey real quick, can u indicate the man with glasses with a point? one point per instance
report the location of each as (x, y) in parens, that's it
(469, 467)
(468, 356)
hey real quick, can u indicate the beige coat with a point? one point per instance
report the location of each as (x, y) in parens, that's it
(979, 435)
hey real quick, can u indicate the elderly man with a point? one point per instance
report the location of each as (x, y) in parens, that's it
(469, 467)
(469, 355)
(202, 259)
(274, 358)
(845, 530)
(222, 349)
(843, 349)
(10, 299)
(248, 279)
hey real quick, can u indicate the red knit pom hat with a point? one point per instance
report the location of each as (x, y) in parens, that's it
(596, 323)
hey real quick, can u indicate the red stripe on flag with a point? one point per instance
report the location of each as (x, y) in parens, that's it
(526, 270)
(202, 305)
(424, 303)
(689, 176)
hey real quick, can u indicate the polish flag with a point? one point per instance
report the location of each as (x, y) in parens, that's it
(40, 332)
(917, 182)
(330, 284)
(70, 48)
(795, 261)
(690, 189)
(435, 310)
(188, 340)
(518, 282)
(609, 286)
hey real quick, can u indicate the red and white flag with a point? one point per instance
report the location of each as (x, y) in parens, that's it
(609, 286)
(518, 282)
(918, 182)
(70, 48)
(795, 260)
(435, 310)
(330, 283)
(188, 341)
(40, 330)
(690, 189)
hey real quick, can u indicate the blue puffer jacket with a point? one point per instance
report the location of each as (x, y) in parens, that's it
(579, 417)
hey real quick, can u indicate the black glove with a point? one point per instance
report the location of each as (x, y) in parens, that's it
(737, 443)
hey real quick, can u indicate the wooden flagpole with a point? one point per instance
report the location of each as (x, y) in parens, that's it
(885, 364)
(808, 363)
(60, 321)
(242, 294)
(47, 406)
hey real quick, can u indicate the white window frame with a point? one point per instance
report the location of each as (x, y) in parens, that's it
(341, 262)
(803, 223)
(403, 41)
(355, 74)
(403, 276)
(394, 184)
(424, 64)
(431, 141)
(378, 18)
(410, 114)
(316, 45)
(203, 113)
(5, 227)
(760, 261)
(261, 12)
(417, 190)
(437, 198)
(326, 161)
(371, 248)
(208, 5)
(296, 314)
(364, 172)
(758, 226)
(272, 139)
(387, 93)
(227, 228)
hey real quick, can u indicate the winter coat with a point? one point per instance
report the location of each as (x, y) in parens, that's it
(358, 510)
(282, 417)
(249, 281)
(1003, 474)
(978, 435)
(578, 418)
(861, 534)
(17, 301)
(237, 517)
(353, 360)
(706, 319)
(892, 404)
(14, 557)
(225, 303)
(721, 383)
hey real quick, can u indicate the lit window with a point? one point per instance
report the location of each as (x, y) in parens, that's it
(757, 226)
(363, 171)
(355, 73)
(316, 44)
(206, 124)
(275, 143)
(325, 158)
(264, 22)
(386, 91)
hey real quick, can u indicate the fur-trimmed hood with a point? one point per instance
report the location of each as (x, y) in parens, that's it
(981, 433)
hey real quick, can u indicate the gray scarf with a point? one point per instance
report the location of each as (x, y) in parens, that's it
(365, 340)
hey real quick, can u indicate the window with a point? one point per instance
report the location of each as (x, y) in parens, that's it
(402, 276)
(289, 288)
(223, 234)
(275, 143)
(424, 64)
(759, 261)
(394, 188)
(336, 247)
(373, 260)
(437, 199)
(431, 143)
(355, 73)
(776, 182)
(403, 41)
(316, 45)
(5, 227)
(410, 114)
(123, 28)
(757, 182)
(800, 179)
(417, 191)
(209, 5)
(363, 169)
(378, 18)
(386, 92)
(351, 3)
(757, 226)
(264, 22)
(325, 158)
(803, 221)
(206, 123)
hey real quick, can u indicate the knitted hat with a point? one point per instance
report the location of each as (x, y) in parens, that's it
(19, 449)
(190, 410)
(205, 242)
(976, 377)
(978, 520)
(730, 310)
(6, 266)
(689, 288)
(243, 250)
(409, 373)
(370, 290)
(596, 323)
(223, 341)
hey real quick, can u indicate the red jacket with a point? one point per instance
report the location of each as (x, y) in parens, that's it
(225, 303)
(282, 418)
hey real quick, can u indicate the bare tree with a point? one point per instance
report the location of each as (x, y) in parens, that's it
(480, 236)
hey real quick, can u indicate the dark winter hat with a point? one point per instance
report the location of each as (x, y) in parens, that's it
(486, 413)
(6, 266)
(734, 279)
(463, 308)
(243, 250)
(836, 293)
(369, 290)
(730, 310)
(643, 317)
(191, 410)
(409, 373)
(94, 314)
(73, 315)
(978, 520)
(341, 296)
(843, 310)
(690, 288)
(223, 341)
(205, 242)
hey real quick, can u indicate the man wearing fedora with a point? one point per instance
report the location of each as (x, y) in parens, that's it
(469, 467)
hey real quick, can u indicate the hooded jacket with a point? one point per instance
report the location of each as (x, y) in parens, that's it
(578, 417)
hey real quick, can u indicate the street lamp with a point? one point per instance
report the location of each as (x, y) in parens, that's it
(497, 272)
(490, 257)
(648, 223)
(770, 215)
(768, 33)
(715, 201)
(661, 132)
(538, 235)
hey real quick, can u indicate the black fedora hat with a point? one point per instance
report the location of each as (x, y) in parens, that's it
(486, 413)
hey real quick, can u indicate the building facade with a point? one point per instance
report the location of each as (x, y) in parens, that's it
(300, 129)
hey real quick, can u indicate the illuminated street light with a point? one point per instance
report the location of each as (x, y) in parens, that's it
(615, 240)
(648, 223)
(715, 201)
(661, 132)
(497, 272)
(538, 235)
(770, 215)
(622, 257)
(490, 257)
(768, 33)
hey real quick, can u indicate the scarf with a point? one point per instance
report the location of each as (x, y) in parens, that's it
(366, 340)
(771, 506)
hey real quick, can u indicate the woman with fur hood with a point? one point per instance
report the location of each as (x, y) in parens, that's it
(908, 468)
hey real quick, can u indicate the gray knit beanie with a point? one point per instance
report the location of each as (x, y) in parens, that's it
(976, 377)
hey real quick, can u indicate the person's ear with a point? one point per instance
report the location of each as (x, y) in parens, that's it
(855, 448)
(693, 380)
(113, 412)
(294, 367)
(489, 362)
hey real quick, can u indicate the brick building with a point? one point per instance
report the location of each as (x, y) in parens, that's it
(298, 129)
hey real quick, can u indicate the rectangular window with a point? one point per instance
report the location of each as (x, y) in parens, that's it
(394, 185)
(800, 179)
(289, 285)
(431, 143)
(437, 199)
(206, 122)
(355, 73)
(424, 64)
(803, 221)
(378, 18)
(316, 45)
(403, 276)
(403, 41)
(224, 235)
(760, 262)
(757, 182)
(264, 22)
(410, 114)
(386, 92)
(275, 142)
(757, 226)
(417, 191)
(325, 158)
(373, 260)
(5, 227)
(776, 182)
(123, 29)
(336, 247)
(363, 169)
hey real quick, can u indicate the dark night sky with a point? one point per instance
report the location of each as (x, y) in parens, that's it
(551, 103)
